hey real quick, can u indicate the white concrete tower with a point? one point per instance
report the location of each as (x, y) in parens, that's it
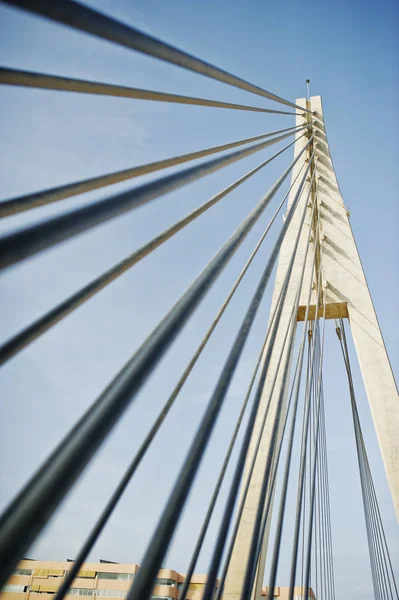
(346, 295)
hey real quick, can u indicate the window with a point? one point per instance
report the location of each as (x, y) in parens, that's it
(105, 575)
(23, 572)
(112, 593)
(47, 588)
(17, 589)
(164, 581)
(196, 587)
(80, 592)
(43, 573)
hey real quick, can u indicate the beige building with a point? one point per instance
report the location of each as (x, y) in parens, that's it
(40, 580)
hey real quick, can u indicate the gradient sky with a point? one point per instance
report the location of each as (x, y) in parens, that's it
(349, 50)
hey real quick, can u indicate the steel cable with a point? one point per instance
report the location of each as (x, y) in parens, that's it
(228, 511)
(201, 537)
(102, 520)
(227, 515)
(315, 458)
(30, 333)
(44, 197)
(377, 510)
(251, 563)
(373, 548)
(33, 506)
(253, 460)
(142, 585)
(36, 80)
(328, 516)
(316, 531)
(375, 567)
(294, 390)
(381, 566)
(327, 543)
(255, 558)
(301, 490)
(85, 19)
(19, 245)
(302, 453)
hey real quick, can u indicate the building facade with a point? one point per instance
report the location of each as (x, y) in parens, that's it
(40, 580)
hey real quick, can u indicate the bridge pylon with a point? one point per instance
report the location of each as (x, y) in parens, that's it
(340, 288)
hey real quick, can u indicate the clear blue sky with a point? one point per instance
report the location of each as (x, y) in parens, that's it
(349, 50)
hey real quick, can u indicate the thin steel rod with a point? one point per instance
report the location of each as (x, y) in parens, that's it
(256, 584)
(278, 449)
(377, 534)
(295, 386)
(159, 543)
(201, 537)
(315, 458)
(304, 491)
(271, 492)
(324, 558)
(377, 518)
(378, 530)
(301, 490)
(229, 507)
(303, 497)
(315, 334)
(312, 425)
(36, 80)
(312, 446)
(262, 516)
(267, 507)
(327, 567)
(316, 514)
(376, 507)
(228, 513)
(30, 511)
(259, 438)
(21, 244)
(324, 493)
(91, 21)
(263, 545)
(383, 570)
(30, 333)
(249, 476)
(328, 511)
(310, 442)
(374, 558)
(29, 201)
(329, 527)
(198, 547)
(370, 537)
(101, 522)
(255, 453)
(319, 548)
(257, 534)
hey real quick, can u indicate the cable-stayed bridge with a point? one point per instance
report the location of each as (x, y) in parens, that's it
(319, 284)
